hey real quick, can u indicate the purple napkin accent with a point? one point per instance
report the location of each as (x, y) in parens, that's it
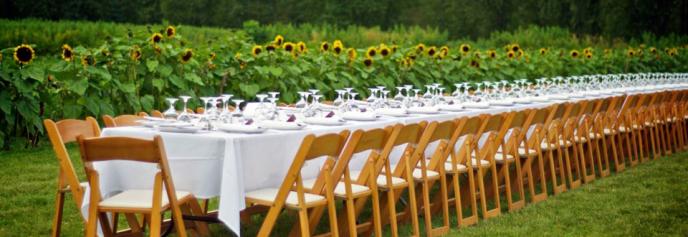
(363, 110)
(330, 114)
(291, 118)
(451, 102)
(248, 122)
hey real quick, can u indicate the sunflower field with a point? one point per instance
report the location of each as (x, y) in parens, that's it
(129, 72)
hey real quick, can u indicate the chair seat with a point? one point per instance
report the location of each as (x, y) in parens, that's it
(578, 139)
(649, 124)
(460, 168)
(623, 129)
(418, 174)
(267, 197)
(595, 135)
(501, 158)
(140, 199)
(562, 143)
(483, 163)
(671, 120)
(382, 180)
(608, 131)
(522, 152)
(340, 190)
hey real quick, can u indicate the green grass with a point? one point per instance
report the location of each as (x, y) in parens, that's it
(648, 200)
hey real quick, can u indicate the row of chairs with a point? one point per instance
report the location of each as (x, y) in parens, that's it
(469, 163)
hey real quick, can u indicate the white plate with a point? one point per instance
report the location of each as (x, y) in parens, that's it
(175, 125)
(358, 116)
(452, 108)
(282, 125)
(241, 128)
(477, 105)
(539, 98)
(393, 112)
(325, 121)
(179, 129)
(523, 100)
(559, 97)
(423, 110)
(502, 102)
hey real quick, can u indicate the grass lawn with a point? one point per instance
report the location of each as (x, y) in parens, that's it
(649, 200)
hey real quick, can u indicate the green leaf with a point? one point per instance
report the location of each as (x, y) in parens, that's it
(193, 78)
(158, 84)
(147, 102)
(178, 82)
(92, 104)
(72, 111)
(78, 86)
(5, 102)
(35, 72)
(249, 89)
(165, 70)
(152, 65)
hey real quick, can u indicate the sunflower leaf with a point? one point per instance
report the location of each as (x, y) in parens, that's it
(152, 65)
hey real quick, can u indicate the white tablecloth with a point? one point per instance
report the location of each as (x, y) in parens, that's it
(211, 164)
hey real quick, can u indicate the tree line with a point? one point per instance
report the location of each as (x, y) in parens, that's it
(460, 18)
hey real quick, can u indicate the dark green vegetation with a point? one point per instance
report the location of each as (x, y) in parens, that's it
(648, 200)
(459, 18)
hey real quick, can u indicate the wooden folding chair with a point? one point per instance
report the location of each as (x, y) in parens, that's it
(60, 133)
(356, 187)
(531, 124)
(148, 202)
(510, 137)
(122, 120)
(484, 162)
(461, 149)
(328, 146)
(570, 121)
(157, 114)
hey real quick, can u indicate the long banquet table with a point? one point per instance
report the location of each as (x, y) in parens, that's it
(228, 165)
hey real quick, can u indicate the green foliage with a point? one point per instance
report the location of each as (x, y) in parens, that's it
(128, 72)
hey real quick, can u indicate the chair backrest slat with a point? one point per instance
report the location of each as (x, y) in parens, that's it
(122, 120)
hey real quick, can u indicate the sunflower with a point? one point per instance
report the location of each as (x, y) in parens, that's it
(465, 48)
(270, 48)
(588, 55)
(187, 55)
(653, 50)
(156, 38)
(278, 40)
(135, 54)
(515, 47)
(157, 49)
(394, 48)
(412, 56)
(301, 46)
(520, 53)
(170, 31)
(432, 51)
(368, 62)
(587, 50)
(88, 60)
(630, 53)
(384, 50)
(24, 54)
(67, 53)
(351, 54)
(289, 46)
(256, 50)
(444, 51)
(475, 64)
(371, 52)
(242, 65)
(212, 56)
(476, 54)
(324, 46)
(492, 53)
(407, 62)
(337, 47)
(574, 53)
(543, 51)
(510, 54)
(420, 48)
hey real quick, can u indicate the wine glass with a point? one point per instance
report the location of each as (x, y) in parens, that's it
(339, 101)
(238, 111)
(302, 103)
(171, 112)
(205, 100)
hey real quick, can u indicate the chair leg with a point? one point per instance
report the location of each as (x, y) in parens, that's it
(538, 197)
(57, 219)
(619, 165)
(603, 156)
(572, 164)
(558, 187)
(303, 222)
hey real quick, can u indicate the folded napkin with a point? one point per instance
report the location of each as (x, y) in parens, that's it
(392, 112)
(359, 116)
(332, 121)
(190, 129)
(282, 125)
(175, 124)
(423, 110)
(240, 128)
(505, 102)
(451, 107)
(477, 105)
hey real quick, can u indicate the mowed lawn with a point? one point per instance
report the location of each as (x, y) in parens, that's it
(648, 200)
